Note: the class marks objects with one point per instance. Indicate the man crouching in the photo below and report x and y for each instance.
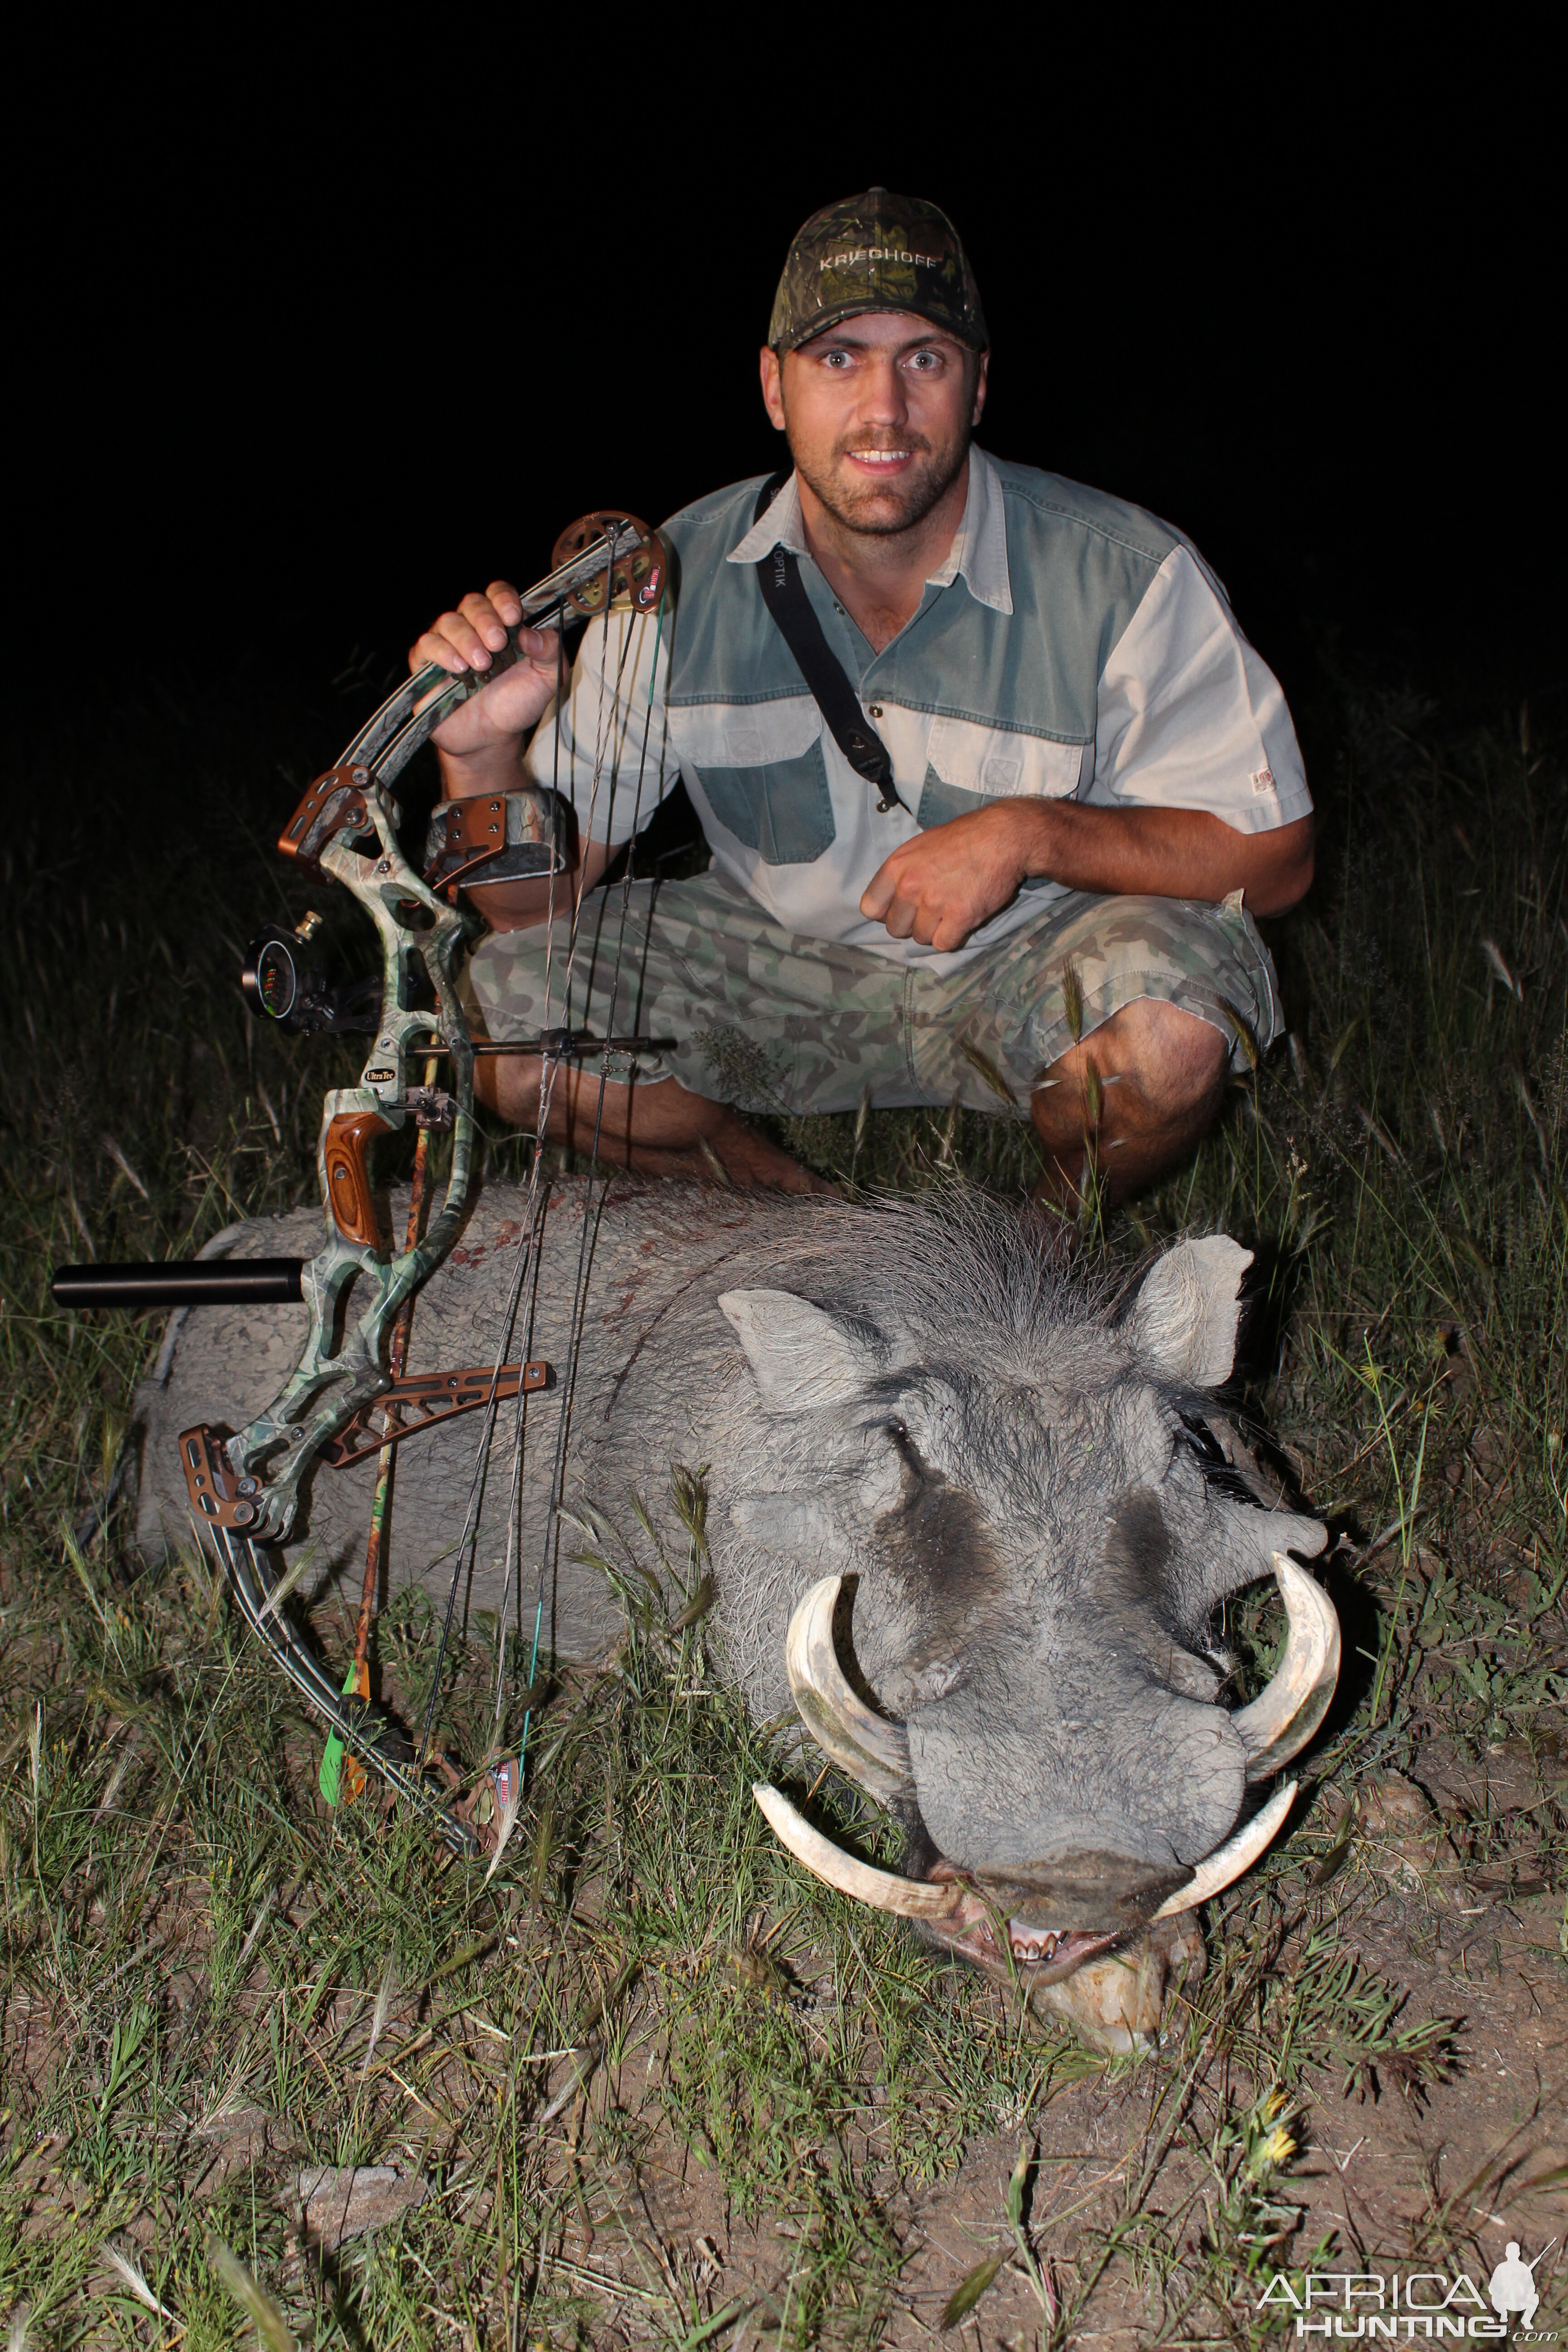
(992, 782)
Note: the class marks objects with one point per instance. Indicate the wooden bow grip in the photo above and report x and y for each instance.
(345, 1157)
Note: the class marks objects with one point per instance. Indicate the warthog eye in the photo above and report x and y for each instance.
(908, 1451)
(919, 1480)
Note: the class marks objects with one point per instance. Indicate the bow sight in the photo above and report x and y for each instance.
(348, 1394)
(280, 985)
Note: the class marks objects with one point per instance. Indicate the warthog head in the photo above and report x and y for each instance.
(1005, 1474)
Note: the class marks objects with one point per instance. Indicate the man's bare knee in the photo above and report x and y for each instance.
(1176, 1059)
(1134, 1095)
(1168, 1058)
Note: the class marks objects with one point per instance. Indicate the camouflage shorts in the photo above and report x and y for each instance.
(772, 1022)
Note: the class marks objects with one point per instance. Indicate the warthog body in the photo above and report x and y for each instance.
(999, 1454)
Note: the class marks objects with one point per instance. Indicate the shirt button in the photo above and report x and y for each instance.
(875, 709)
(837, 605)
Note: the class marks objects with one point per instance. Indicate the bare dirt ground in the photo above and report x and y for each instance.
(1387, 2176)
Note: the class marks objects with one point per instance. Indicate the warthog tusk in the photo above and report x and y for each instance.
(1228, 1861)
(861, 1742)
(912, 1899)
(881, 1888)
(1283, 1716)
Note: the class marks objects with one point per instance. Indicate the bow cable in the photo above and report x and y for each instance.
(549, 1069)
(579, 1302)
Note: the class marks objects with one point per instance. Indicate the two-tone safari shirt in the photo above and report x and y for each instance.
(1071, 646)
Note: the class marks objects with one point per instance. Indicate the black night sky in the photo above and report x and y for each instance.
(288, 390)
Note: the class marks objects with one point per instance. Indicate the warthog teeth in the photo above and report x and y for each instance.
(1283, 1716)
(883, 1889)
(1032, 1944)
(1228, 1861)
(872, 1750)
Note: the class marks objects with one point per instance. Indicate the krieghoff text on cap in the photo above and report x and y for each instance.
(876, 252)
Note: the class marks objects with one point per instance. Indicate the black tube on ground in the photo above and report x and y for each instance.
(226, 1282)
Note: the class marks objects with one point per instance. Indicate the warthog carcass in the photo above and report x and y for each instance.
(963, 1510)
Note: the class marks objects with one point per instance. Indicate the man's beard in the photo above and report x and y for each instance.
(855, 506)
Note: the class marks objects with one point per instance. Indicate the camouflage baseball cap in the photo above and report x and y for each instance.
(876, 252)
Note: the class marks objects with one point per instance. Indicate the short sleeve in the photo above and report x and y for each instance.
(608, 749)
(1189, 716)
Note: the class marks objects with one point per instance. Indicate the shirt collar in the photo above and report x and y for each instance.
(778, 526)
(979, 548)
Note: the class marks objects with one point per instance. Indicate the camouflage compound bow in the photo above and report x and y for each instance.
(348, 1396)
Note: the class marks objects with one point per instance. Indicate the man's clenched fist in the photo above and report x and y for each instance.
(945, 884)
(492, 723)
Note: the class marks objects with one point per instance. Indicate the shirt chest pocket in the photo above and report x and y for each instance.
(760, 768)
(1001, 763)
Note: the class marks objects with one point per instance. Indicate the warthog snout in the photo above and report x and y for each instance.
(1049, 1917)
(1091, 1890)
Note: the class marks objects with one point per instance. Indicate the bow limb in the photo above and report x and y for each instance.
(251, 1582)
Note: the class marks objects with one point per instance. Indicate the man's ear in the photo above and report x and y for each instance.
(773, 387)
(981, 380)
(801, 1356)
(1183, 1318)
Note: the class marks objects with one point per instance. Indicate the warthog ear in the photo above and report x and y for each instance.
(1184, 1316)
(802, 1356)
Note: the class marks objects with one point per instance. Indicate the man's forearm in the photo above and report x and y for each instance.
(496, 768)
(1165, 854)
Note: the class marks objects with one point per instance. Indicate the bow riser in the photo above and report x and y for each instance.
(299, 1422)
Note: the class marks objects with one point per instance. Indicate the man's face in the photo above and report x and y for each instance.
(879, 413)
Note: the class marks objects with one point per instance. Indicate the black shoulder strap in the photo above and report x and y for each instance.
(784, 593)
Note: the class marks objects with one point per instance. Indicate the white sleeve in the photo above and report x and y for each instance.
(608, 750)
(1189, 716)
